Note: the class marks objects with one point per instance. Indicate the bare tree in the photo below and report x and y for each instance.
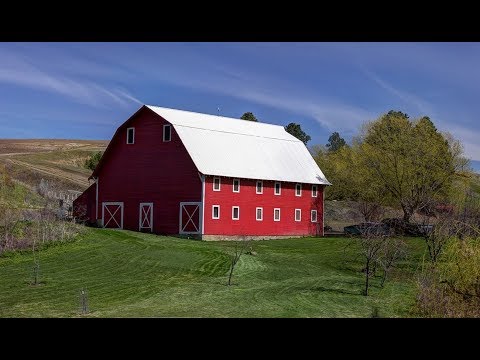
(393, 250)
(238, 250)
(36, 265)
(371, 245)
(9, 219)
(371, 211)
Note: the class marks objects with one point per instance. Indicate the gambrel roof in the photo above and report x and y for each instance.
(232, 147)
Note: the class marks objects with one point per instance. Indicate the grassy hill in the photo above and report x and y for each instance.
(130, 274)
(60, 162)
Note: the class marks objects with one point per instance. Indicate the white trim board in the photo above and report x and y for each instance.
(140, 211)
(119, 203)
(190, 217)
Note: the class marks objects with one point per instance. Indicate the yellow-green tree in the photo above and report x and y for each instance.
(411, 162)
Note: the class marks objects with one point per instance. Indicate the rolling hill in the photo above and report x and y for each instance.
(58, 162)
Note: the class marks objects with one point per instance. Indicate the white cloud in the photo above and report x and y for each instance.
(16, 70)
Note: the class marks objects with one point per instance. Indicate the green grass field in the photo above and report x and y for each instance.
(129, 274)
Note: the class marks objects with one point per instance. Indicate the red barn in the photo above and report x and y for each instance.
(169, 171)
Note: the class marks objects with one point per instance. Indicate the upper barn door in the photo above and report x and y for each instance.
(112, 215)
(145, 217)
(190, 217)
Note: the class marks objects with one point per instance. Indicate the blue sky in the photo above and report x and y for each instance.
(86, 90)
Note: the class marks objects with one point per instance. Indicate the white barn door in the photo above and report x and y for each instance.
(190, 217)
(145, 217)
(112, 215)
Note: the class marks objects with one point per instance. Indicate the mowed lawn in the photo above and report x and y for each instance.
(129, 274)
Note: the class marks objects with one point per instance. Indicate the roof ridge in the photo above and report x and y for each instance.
(216, 116)
(236, 133)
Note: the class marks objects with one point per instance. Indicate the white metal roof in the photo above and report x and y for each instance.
(225, 146)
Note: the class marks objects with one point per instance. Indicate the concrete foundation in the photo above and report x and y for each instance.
(246, 237)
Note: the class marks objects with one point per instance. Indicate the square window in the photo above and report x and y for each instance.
(259, 187)
(276, 214)
(130, 135)
(167, 133)
(298, 215)
(236, 185)
(235, 212)
(259, 214)
(298, 190)
(216, 184)
(215, 211)
(278, 188)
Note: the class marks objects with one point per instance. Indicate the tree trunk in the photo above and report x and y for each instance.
(231, 273)
(384, 277)
(367, 276)
(407, 213)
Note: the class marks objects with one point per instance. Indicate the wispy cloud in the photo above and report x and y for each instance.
(424, 107)
(17, 70)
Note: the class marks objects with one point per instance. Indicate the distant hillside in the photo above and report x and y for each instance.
(58, 162)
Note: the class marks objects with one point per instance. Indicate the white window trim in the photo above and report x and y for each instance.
(233, 185)
(295, 215)
(316, 190)
(219, 183)
(238, 207)
(213, 216)
(165, 126)
(316, 216)
(106, 203)
(128, 129)
(279, 188)
(296, 190)
(279, 214)
(256, 214)
(140, 227)
(256, 187)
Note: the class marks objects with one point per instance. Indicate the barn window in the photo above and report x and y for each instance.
(278, 188)
(298, 214)
(259, 214)
(235, 212)
(314, 216)
(314, 190)
(167, 133)
(259, 187)
(215, 211)
(298, 190)
(276, 214)
(130, 135)
(236, 185)
(216, 184)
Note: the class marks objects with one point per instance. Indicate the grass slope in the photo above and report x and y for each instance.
(129, 274)
(60, 162)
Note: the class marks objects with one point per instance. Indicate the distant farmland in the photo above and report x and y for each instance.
(60, 162)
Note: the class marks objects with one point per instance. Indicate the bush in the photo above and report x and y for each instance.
(451, 288)
(92, 162)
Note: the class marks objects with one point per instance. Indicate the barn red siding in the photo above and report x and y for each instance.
(248, 201)
(149, 170)
(84, 206)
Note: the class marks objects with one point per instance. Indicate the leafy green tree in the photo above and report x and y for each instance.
(92, 162)
(335, 142)
(296, 130)
(411, 161)
(249, 116)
